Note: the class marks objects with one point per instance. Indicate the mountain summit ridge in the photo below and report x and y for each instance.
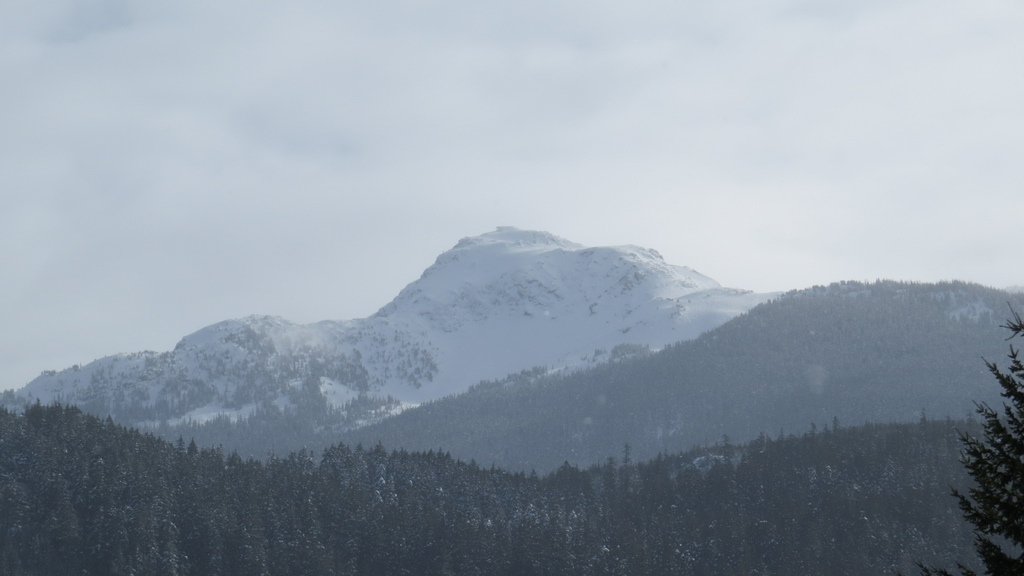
(492, 305)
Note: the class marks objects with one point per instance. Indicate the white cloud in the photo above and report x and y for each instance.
(167, 165)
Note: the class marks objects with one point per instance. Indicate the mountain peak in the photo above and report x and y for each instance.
(492, 305)
(512, 238)
(511, 264)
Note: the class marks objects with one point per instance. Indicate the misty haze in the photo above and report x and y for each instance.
(447, 288)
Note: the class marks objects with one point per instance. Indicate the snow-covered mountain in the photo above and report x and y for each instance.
(494, 304)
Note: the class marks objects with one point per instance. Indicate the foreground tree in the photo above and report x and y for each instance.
(996, 463)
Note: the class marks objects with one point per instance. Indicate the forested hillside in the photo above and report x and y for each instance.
(80, 495)
(879, 352)
(859, 353)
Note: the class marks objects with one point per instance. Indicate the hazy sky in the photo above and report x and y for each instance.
(166, 165)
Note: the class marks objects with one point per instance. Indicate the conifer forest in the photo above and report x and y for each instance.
(80, 495)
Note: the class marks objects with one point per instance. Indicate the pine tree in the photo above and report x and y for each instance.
(995, 506)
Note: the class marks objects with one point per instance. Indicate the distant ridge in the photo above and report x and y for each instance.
(848, 353)
(494, 304)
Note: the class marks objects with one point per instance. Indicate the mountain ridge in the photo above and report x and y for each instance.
(492, 305)
(849, 352)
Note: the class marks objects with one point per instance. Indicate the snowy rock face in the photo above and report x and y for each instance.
(494, 304)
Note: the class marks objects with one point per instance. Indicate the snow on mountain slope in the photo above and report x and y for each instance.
(494, 304)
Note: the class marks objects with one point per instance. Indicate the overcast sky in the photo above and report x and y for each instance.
(167, 165)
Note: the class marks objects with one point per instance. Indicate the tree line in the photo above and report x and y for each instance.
(87, 496)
